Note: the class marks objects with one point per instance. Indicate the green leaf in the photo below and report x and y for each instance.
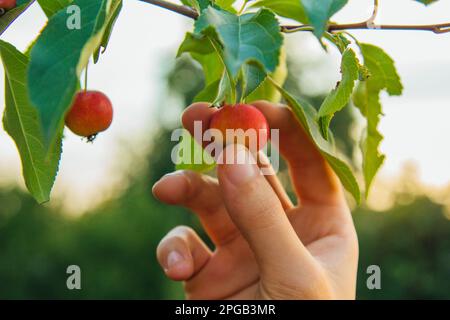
(201, 49)
(194, 43)
(191, 156)
(341, 95)
(57, 59)
(8, 18)
(319, 13)
(267, 91)
(200, 5)
(291, 9)
(22, 124)
(208, 47)
(339, 40)
(306, 115)
(116, 7)
(251, 78)
(251, 37)
(226, 4)
(383, 76)
(50, 7)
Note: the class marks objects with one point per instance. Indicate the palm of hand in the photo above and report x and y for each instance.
(265, 247)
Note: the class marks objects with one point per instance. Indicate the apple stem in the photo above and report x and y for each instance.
(86, 78)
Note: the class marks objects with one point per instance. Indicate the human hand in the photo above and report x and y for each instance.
(265, 247)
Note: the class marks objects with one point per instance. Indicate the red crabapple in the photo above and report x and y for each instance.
(248, 126)
(90, 114)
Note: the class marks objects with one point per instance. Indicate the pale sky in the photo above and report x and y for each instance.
(146, 37)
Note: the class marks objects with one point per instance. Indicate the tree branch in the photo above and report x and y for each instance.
(436, 28)
(366, 25)
(180, 9)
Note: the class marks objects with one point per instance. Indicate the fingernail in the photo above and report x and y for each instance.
(173, 259)
(240, 165)
(171, 174)
(174, 174)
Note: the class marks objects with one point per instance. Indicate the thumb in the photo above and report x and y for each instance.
(257, 212)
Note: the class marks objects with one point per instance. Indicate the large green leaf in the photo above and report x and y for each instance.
(319, 13)
(116, 7)
(50, 7)
(291, 9)
(8, 18)
(57, 59)
(22, 124)
(306, 115)
(383, 76)
(249, 38)
(341, 95)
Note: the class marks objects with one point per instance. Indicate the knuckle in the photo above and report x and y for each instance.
(178, 234)
(182, 231)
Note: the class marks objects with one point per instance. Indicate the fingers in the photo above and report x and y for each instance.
(274, 182)
(182, 254)
(313, 179)
(200, 194)
(199, 113)
(257, 212)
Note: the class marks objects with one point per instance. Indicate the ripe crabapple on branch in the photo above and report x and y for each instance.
(90, 114)
(242, 124)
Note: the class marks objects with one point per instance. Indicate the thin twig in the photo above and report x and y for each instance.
(366, 25)
(180, 9)
(436, 28)
(371, 21)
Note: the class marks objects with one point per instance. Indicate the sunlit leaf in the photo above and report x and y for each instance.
(383, 76)
(291, 9)
(21, 122)
(341, 95)
(306, 115)
(116, 7)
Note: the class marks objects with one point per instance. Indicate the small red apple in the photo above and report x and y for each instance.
(254, 131)
(7, 4)
(90, 114)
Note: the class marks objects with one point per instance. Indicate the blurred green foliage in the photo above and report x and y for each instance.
(115, 247)
(115, 244)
